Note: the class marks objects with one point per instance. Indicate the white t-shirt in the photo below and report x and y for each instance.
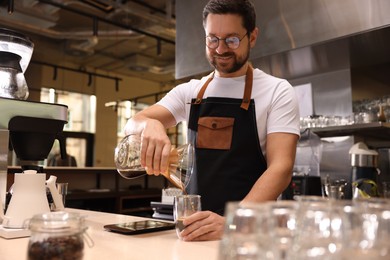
(275, 101)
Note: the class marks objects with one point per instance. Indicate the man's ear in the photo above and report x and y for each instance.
(254, 35)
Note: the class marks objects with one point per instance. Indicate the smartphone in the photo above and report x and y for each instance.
(140, 227)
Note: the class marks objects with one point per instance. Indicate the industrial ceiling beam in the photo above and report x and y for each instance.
(97, 18)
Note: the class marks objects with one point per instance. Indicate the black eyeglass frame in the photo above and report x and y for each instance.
(224, 39)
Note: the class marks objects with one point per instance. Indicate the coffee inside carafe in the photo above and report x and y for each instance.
(128, 161)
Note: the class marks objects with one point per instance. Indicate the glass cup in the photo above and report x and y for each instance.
(62, 190)
(386, 189)
(319, 233)
(309, 199)
(282, 227)
(183, 207)
(334, 189)
(246, 232)
(367, 231)
(128, 161)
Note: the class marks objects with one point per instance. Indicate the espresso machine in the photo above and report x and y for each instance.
(28, 128)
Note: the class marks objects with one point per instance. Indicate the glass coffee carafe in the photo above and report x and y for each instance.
(128, 161)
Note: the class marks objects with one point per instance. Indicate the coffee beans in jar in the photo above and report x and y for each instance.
(56, 236)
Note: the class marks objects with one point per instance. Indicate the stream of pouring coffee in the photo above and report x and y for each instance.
(171, 175)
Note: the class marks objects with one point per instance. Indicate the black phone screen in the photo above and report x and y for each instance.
(140, 227)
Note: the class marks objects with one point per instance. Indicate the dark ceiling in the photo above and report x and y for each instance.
(132, 38)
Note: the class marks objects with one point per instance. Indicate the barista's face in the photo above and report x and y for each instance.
(229, 62)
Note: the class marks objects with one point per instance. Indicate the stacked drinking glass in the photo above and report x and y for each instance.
(308, 227)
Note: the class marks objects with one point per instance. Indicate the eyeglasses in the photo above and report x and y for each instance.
(232, 42)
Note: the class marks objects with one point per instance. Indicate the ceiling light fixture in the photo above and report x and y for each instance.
(95, 26)
(10, 6)
(101, 5)
(102, 19)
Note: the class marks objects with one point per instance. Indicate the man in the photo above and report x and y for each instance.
(244, 123)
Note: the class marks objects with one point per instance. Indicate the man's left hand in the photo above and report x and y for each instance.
(202, 226)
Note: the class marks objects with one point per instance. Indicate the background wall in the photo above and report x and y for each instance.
(104, 89)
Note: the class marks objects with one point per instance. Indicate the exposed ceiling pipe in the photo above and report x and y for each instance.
(86, 46)
(35, 9)
(167, 13)
(135, 10)
(117, 34)
(108, 21)
(10, 6)
(162, 70)
(81, 42)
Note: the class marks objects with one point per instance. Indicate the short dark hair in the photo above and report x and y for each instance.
(243, 8)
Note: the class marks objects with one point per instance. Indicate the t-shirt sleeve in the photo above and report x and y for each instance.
(175, 101)
(284, 113)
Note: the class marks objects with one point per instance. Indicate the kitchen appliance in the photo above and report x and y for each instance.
(303, 185)
(164, 209)
(334, 189)
(31, 136)
(15, 54)
(306, 179)
(29, 128)
(364, 172)
(29, 197)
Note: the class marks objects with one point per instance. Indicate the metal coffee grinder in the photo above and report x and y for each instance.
(29, 128)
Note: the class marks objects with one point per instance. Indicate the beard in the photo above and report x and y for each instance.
(232, 66)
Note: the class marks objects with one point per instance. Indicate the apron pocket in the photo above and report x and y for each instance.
(215, 132)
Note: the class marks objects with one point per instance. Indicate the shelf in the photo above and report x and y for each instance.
(377, 130)
(70, 170)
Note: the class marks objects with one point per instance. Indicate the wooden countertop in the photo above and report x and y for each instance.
(162, 245)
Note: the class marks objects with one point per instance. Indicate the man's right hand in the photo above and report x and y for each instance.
(155, 147)
(151, 125)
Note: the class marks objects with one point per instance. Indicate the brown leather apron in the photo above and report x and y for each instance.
(228, 155)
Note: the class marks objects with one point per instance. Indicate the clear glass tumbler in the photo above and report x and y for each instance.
(183, 207)
(246, 232)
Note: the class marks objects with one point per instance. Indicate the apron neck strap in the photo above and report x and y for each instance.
(247, 91)
(203, 89)
(248, 88)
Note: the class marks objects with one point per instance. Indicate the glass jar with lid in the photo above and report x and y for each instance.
(56, 235)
